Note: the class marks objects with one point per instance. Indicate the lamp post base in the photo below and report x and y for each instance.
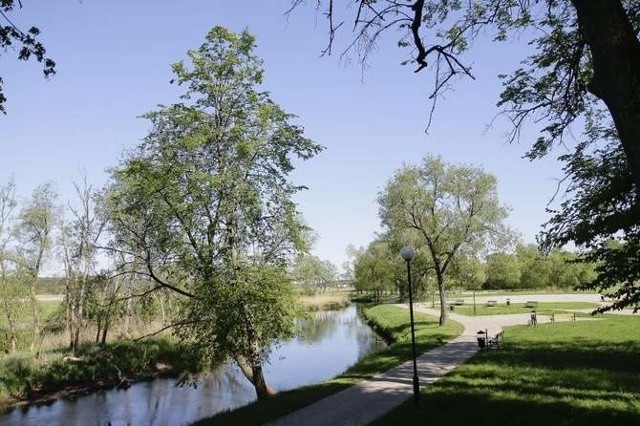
(416, 389)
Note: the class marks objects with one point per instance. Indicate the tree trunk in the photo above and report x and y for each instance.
(615, 49)
(36, 313)
(13, 340)
(103, 341)
(255, 375)
(443, 301)
(129, 308)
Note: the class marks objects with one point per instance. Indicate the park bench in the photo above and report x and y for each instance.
(531, 304)
(491, 303)
(459, 302)
(566, 317)
(496, 340)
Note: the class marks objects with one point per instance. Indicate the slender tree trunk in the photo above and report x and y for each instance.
(162, 312)
(13, 340)
(129, 308)
(443, 301)
(615, 49)
(36, 312)
(105, 329)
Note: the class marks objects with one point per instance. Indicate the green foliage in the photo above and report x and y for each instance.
(447, 210)
(582, 373)
(503, 271)
(534, 267)
(263, 295)
(601, 214)
(205, 205)
(21, 375)
(378, 269)
(312, 274)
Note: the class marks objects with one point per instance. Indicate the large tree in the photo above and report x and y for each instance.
(204, 206)
(24, 42)
(581, 48)
(600, 215)
(453, 209)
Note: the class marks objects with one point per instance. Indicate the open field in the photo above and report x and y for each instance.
(582, 373)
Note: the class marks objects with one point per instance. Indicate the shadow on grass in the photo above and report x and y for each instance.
(538, 378)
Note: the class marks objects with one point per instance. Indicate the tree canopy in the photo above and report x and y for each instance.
(584, 51)
(204, 205)
(450, 209)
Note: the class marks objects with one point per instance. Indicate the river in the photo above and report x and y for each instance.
(327, 344)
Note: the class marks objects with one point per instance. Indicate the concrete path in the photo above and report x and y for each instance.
(370, 399)
(363, 403)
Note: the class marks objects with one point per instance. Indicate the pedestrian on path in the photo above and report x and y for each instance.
(534, 318)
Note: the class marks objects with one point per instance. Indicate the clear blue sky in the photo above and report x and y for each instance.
(113, 65)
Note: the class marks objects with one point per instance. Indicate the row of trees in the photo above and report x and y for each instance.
(311, 274)
(529, 268)
(379, 269)
(41, 230)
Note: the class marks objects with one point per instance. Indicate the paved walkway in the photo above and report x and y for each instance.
(363, 403)
(370, 399)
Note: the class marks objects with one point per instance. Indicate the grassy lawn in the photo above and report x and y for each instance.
(390, 321)
(582, 373)
(544, 308)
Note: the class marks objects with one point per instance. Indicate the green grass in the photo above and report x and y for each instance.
(23, 377)
(391, 321)
(543, 308)
(582, 373)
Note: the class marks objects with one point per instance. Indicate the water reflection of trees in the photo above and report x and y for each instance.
(316, 328)
(325, 323)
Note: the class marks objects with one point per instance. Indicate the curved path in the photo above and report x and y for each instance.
(370, 399)
(363, 403)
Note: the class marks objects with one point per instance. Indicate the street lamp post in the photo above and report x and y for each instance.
(408, 253)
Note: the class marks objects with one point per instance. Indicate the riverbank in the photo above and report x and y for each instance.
(393, 322)
(25, 380)
(328, 301)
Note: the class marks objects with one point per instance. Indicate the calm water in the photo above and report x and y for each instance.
(327, 345)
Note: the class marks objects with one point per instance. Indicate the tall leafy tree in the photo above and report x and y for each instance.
(204, 206)
(503, 271)
(583, 50)
(11, 295)
(37, 221)
(452, 209)
(376, 268)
